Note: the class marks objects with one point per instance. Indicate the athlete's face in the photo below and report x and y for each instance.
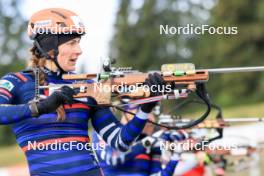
(68, 54)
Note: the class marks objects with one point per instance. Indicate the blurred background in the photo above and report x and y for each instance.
(130, 32)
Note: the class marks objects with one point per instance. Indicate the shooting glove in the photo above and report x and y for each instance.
(52, 102)
(156, 83)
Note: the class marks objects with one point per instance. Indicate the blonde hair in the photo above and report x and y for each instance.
(36, 61)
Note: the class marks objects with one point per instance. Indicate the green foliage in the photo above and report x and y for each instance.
(243, 49)
(13, 49)
(138, 43)
(6, 137)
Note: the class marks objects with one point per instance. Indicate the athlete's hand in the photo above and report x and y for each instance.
(52, 102)
(156, 84)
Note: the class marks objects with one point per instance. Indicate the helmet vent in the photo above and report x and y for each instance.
(61, 24)
(58, 13)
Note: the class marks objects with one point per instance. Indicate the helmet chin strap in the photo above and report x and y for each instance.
(56, 53)
(60, 70)
(47, 56)
(42, 52)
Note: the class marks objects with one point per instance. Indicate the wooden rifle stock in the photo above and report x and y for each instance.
(103, 89)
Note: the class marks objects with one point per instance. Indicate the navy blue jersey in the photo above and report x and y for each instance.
(135, 162)
(41, 138)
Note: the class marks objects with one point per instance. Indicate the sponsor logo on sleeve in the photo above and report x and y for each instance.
(6, 85)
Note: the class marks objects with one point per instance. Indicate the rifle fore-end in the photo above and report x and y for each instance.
(137, 78)
(78, 76)
(102, 90)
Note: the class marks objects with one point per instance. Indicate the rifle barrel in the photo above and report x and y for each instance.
(249, 119)
(234, 69)
(228, 120)
(54, 86)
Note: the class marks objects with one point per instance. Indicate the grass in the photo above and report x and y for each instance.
(11, 155)
(252, 110)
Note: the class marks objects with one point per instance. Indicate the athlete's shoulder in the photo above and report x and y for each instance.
(11, 80)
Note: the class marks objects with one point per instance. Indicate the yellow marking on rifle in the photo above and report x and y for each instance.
(190, 72)
(177, 67)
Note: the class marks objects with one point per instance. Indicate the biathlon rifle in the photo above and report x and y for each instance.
(121, 83)
(209, 123)
(216, 122)
(183, 77)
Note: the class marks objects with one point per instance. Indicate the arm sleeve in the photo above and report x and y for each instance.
(156, 165)
(113, 132)
(113, 157)
(174, 135)
(156, 168)
(9, 113)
